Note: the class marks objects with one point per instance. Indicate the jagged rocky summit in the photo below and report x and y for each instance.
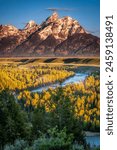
(54, 37)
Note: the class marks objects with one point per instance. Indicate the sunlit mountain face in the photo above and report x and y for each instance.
(53, 37)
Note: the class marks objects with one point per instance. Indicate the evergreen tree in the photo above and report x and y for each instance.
(13, 121)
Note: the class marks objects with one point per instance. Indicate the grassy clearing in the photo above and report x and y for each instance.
(82, 61)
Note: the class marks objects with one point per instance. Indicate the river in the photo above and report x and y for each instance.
(91, 138)
(78, 77)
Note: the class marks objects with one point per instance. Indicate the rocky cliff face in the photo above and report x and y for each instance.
(54, 37)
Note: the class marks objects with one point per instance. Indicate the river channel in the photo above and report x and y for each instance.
(78, 77)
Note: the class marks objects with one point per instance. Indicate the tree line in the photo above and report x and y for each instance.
(18, 78)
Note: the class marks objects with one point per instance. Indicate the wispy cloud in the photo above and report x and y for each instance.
(60, 9)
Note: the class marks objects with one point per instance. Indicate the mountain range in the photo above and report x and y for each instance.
(53, 37)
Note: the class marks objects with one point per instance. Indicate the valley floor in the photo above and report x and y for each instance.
(49, 111)
(90, 61)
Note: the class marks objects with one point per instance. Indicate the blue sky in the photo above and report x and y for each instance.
(18, 12)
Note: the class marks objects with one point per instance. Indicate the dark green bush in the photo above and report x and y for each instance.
(54, 140)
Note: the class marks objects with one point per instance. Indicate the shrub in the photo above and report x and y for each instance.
(18, 145)
(54, 140)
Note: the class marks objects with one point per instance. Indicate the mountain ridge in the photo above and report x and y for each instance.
(53, 37)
